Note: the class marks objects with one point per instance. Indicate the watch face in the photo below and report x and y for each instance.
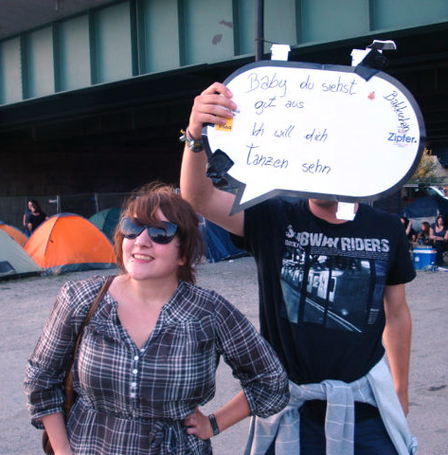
(196, 146)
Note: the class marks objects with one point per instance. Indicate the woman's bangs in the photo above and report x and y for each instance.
(144, 209)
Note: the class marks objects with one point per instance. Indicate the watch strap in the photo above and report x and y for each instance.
(195, 145)
(214, 424)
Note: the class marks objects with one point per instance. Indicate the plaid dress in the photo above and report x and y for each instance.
(132, 401)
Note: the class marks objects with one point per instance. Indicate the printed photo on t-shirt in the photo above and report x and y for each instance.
(338, 283)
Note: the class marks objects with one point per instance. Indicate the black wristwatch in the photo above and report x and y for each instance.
(214, 424)
(194, 145)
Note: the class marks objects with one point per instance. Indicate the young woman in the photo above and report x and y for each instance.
(35, 217)
(439, 236)
(148, 358)
(423, 236)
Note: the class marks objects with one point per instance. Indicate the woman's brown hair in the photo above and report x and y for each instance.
(144, 204)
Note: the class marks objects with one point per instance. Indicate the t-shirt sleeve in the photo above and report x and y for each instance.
(402, 269)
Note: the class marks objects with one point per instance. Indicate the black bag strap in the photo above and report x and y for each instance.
(68, 381)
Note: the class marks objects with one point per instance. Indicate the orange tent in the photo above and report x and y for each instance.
(13, 232)
(67, 242)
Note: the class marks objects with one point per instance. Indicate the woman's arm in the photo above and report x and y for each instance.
(46, 367)
(254, 363)
(57, 433)
(252, 360)
(431, 233)
(231, 413)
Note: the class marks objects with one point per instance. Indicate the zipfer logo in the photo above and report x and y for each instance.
(401, 139)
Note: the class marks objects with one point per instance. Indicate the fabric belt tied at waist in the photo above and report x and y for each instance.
(376, 388)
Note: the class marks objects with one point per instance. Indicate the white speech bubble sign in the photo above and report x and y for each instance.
(312, 130)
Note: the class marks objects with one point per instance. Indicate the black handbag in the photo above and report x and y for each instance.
(68, 380)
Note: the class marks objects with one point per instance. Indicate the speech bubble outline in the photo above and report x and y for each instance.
(303, 109)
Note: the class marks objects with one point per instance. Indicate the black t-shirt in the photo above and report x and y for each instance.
(322, 285)
(36, 220)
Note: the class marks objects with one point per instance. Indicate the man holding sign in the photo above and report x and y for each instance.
(332, 291)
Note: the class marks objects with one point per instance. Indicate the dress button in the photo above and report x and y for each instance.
(133, 395)
(135, 371)
(133, 385)
(136, 357)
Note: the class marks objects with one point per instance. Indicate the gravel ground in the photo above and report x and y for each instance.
(25, 303)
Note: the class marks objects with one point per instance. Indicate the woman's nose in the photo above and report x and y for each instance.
(143, 239)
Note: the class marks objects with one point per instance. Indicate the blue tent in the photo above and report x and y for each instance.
(217, 242)
(427, 206)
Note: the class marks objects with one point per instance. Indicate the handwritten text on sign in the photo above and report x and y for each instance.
(321, 132)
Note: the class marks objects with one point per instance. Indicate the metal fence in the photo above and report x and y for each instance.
(12, 209)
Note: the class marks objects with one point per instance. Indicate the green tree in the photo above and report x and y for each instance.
(428, 170)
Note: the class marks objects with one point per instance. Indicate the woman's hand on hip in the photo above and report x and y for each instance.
(198, 425)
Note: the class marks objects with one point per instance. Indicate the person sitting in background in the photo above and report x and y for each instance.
(410, 232)
(35, 217)
(149, 355)
(423, 236)
(439, 236)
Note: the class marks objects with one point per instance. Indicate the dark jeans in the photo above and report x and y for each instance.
(371, 438)
(441, 246)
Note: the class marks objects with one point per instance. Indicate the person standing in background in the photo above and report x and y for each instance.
(438, 233)
(35, 217)
(25, 218)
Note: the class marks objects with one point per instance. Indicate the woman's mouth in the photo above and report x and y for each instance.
(142, 257)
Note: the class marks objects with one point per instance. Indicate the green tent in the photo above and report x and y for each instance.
(106, 221)
(14, 260)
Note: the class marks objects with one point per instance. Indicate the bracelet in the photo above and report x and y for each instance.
(214, 424)
(194, 145)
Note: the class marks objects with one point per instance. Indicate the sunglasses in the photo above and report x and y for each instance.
(162, 236)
